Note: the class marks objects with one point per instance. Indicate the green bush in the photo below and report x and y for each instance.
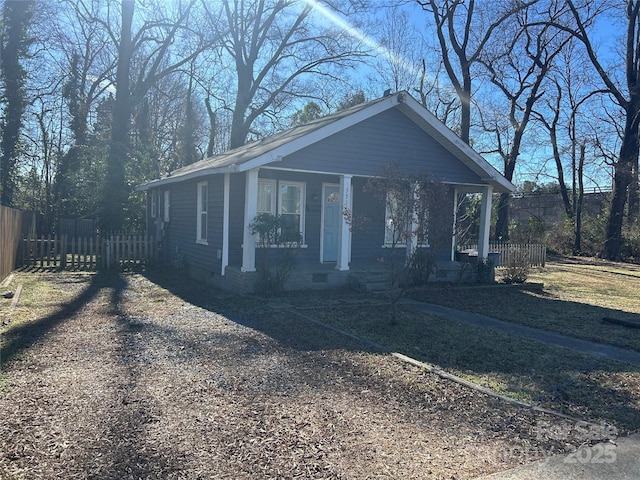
(279, 245)
(560, 238)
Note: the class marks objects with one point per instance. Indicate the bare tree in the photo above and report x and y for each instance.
(397, 66)
(570, 132)
(627, 95)
(87, 59)
(414, 219)
(518, 71)
(158, 53)
(115, 191)
(463, 32)
(278, 51)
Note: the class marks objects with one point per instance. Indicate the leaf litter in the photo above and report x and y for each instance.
(143, 381)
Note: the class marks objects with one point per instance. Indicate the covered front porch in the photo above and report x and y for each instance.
(342, 233)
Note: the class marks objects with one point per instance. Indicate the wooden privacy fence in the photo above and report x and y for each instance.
(534, 254)
(10, 233)
(88, 253)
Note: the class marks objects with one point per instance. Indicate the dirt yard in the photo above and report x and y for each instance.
(119, 377)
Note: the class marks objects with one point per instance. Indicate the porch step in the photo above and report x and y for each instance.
(370, 281)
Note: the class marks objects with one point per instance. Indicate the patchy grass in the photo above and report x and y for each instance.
(577, 295)
(145, 371)
(38, 298)
(42, 304)
(117, 383)
(576, 384)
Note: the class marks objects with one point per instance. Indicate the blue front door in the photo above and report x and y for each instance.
(330, 222)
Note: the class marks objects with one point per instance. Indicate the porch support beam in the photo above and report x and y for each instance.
(412, 234)
(344, 239)
(454, 239)
(250, 211)
(225, 224)
(485, 222)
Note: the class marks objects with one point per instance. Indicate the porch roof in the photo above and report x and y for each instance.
(272, 149)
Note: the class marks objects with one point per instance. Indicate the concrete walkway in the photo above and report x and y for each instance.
(584, 346)
(617, 460)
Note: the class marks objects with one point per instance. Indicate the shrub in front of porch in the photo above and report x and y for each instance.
(279, 243)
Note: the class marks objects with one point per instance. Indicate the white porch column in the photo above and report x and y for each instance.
(454, 240)
(344, 237)
(225, 224)
(250, 211)
(412, 234)
(485, 222)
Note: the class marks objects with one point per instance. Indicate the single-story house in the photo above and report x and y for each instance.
(312, 173)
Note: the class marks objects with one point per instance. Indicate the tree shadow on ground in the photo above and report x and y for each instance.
(21, 337)
(538, 308)
(226, 366)
(573, 382)
(571, 385)
(269, 316)
(130, 454)
(124, 450)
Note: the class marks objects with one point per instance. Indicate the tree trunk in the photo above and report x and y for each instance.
(502, 222)
(465, 106)
(577, 242)
(634, 200)
(623, 175)
(569, 206)
(115, 193)
(211, 144)
(239, 124)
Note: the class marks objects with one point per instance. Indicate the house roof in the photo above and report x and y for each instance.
(275, 147)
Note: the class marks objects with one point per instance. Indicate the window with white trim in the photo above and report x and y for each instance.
(406, 217)
(203, 201)
(291, 197)
(266, 196)
(286, 199)
(394, 221)
(166, 206)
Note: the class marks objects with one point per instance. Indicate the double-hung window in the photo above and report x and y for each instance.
(203, 202)
(395, 224)
(291, 210)
(266, 196)
(406, 217)
(285, 199)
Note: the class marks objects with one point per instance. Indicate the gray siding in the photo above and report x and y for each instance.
(310, 255)
(361, 150)
(367, 233)
(367, 238)
(181, 232)
(366, 148)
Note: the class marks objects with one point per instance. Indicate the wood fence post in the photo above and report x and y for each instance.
(63, 252)
(108, 250)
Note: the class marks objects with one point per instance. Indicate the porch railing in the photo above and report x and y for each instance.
(535, 254)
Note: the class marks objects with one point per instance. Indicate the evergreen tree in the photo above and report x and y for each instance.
(14, 46)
